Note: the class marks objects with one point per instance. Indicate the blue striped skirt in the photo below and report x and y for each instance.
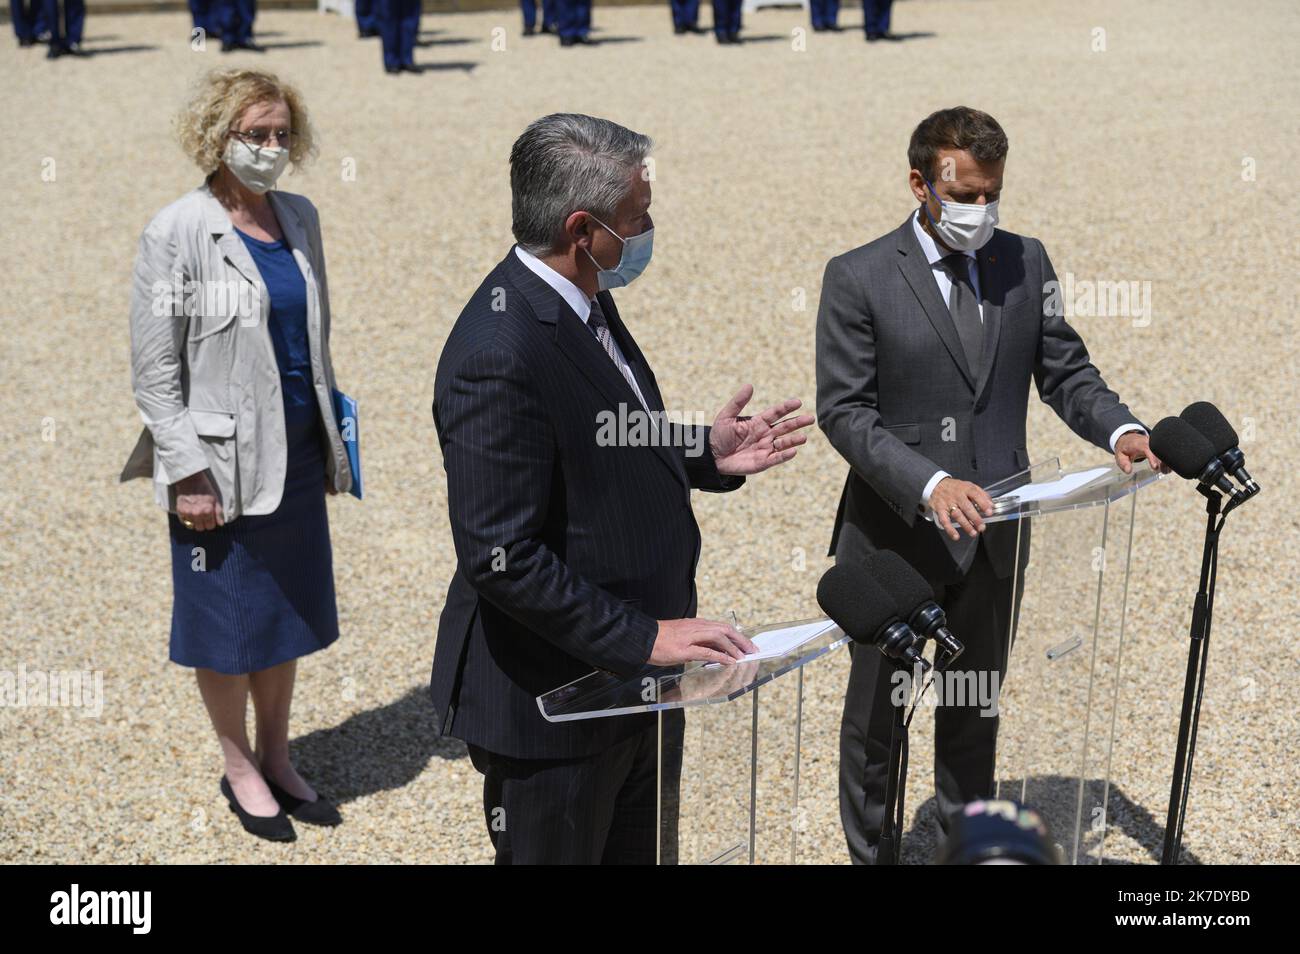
(265, 591)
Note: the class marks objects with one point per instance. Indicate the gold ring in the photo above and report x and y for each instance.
(187, 523)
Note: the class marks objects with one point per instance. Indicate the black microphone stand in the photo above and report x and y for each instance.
(889, 850)
(1194, 684)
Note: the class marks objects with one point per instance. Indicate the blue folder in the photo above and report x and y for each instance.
(345, 412)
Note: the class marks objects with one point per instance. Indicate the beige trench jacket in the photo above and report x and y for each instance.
(202, 364)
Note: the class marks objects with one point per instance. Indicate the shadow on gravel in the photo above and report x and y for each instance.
(467, 65)
(292, 44)
(375, 751)
(1055, 797)
(107, 50)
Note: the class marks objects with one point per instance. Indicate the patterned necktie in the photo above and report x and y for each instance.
(600, 327)
(965, 309)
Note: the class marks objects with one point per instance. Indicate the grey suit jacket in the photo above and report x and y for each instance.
(896, 397)
(202, 364)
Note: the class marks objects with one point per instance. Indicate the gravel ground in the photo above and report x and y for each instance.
(1132, 163)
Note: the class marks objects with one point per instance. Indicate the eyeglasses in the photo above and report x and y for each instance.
(258, 136)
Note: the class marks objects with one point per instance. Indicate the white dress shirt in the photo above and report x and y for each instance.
(934, 255)
(581, 304)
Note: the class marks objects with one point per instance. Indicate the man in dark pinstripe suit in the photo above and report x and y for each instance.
(574, 551)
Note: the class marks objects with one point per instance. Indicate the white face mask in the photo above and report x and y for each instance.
(963, 226)
(257, 167)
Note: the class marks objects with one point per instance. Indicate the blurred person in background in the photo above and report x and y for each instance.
(529, 8)
(203, 17)
(726, 20)
(66, 19)
(26, 18)
(875, 20)
(367, 18)
(231, 370)
(573, 22)
(234, 19)
(686, 16)
(824, 14)
(399, 25)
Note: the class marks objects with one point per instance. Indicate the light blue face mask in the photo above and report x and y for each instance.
(635, 257)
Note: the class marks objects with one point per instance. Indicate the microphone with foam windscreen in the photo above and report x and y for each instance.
(1216, 429)
(913, 600)
(857, 604)
(1192, 457)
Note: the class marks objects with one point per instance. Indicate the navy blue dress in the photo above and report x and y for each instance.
(267, 593)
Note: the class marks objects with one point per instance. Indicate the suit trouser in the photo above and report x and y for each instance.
(979, 613)
(203, 17)
(726, 16)
(65, 20)
(529, 8)
(601, 809)
(685, 12)
(235, 19)
(399, 26)
(367, 15)
(25, 15)
(875, 15)
(573, 18)
(824, 13)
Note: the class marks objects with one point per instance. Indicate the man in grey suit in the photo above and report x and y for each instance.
(927, 339)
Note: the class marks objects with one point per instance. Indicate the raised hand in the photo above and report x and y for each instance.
(750, 445)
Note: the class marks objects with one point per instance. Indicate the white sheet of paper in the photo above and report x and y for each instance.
(1052, 489)
(778, 642)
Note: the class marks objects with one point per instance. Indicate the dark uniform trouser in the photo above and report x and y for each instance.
(979, 611)
(595, 810)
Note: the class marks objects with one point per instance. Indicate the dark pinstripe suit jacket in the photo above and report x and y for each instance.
(897, 399)
(567, 551)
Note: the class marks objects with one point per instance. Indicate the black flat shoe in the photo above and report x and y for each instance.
(319, 812)
(275, 827)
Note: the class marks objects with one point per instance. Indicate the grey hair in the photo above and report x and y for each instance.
(566, 162)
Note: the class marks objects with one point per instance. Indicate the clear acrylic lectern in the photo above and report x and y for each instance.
(739, 796)
(1060, 703)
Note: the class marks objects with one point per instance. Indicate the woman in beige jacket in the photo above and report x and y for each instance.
(232, 376)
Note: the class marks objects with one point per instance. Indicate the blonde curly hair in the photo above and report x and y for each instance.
(220, 98)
